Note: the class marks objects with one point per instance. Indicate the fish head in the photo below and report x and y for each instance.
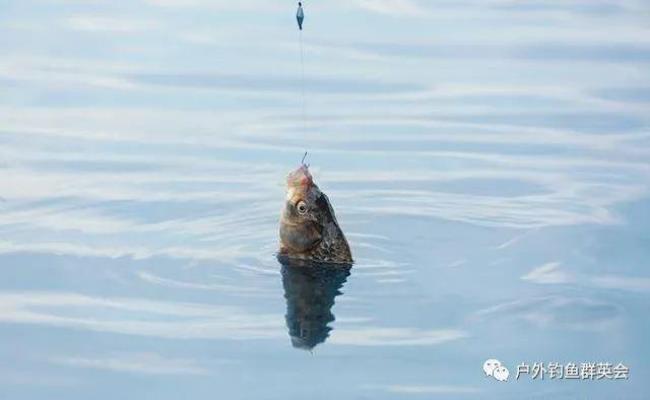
(300, 227)
(308, 227)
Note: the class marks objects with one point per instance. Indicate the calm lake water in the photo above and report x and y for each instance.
(487, 160)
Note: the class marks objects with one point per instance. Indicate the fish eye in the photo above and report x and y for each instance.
(301, 207)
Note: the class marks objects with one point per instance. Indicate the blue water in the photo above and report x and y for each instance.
(488, 162)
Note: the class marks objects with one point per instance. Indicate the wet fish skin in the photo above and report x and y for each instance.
(308, 226)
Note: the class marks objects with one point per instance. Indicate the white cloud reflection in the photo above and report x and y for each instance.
(220, 287)
(126, 316)
(377, 336)
(97, 23)
(140, 363)
(553, 273)
(392, 7)
(424, 389)
(555, 312)
(549, 273)
(58, 162)
(173, 320)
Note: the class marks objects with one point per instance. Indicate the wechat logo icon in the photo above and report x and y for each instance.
(496, 370)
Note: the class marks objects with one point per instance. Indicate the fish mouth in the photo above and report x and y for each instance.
(300, 178)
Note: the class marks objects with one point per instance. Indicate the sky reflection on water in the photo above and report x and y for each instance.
(488, 162)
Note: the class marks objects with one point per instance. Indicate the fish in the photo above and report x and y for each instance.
(308, 226)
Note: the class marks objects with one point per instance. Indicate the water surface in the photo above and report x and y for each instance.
(488, 162)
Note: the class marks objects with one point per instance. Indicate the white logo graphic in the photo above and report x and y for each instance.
(501, 374)
(490, 365)
(493, 368)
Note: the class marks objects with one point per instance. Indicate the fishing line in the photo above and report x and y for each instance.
(302, 85)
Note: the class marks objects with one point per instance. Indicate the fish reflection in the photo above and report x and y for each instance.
(310, 289)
